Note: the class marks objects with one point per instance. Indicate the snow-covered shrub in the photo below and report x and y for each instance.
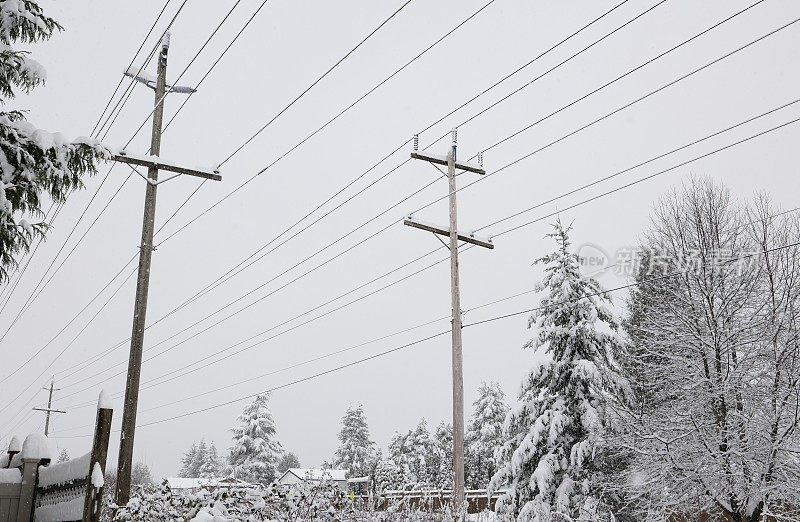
(322, 502)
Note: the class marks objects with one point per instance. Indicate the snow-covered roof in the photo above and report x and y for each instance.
(317, 474)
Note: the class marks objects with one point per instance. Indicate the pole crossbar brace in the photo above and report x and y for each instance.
(49, 410)
(161, 164)
(442, 160)
(467, 238)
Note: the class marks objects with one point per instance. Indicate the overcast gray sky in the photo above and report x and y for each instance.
(288, 45)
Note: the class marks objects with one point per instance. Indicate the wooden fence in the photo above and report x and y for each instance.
(33, 490)
(435, 499)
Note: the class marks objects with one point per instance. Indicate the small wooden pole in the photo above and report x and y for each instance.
(93, 505)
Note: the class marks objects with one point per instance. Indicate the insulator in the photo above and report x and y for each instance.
(455, 135)
(480, 159)
(416, 142)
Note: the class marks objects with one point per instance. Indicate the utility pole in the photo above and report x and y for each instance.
(49, 408)
(153, 164)
(455, 297)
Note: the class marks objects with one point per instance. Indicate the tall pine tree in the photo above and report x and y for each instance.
(256, 452)
(484, 435)
(355, 448)
(187, 462)
(35, 165)
(211, 466)
(554, 432)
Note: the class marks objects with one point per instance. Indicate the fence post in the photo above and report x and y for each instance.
(13, 449)
(35, 451)
(93, 504)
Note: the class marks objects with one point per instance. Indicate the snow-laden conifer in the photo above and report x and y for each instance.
(554, 431)
(355, 448)
(256, 450)
(187, 460)
(484, 434)
(35, 165)
(211, 465)
(398, 456)
(421, 455)
(443, 462)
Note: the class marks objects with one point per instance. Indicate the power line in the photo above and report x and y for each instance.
(754, 4)
(374, 340)
(334, 118)
(123, 100)
(223, 278)
(122, 78)
(32, 297)
(602, 293)
(635, 101)
(215, 63)
(315, 82)
(651, 176)
(643, 163)
(214, 283)
(619, 109)
(405, 330)
(9, 289)
(628, 185)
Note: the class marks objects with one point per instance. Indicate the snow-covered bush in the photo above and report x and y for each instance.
(34, 164)
(323, 502)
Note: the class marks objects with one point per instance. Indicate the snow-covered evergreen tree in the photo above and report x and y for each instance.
(288, 461)
(398, 461)
(212, 465)
(200, 458)
(421, 455)
(484, 435)
(553, 433)
(355, 447)
(387, 475)
(187, 461)
(443, 460)
(256, 450)
(35, 165)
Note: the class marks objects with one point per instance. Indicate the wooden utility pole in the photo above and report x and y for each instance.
(455, 298)
(49, 408)
(153, 164)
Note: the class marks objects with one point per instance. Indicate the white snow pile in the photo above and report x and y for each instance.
(68, 510)
(104, 401)
(64, 472)
(36, 447)
(14, 445)
(213, 514)
(10, 476)
(98, 481)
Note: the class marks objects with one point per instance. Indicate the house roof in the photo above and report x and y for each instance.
(317, 474)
